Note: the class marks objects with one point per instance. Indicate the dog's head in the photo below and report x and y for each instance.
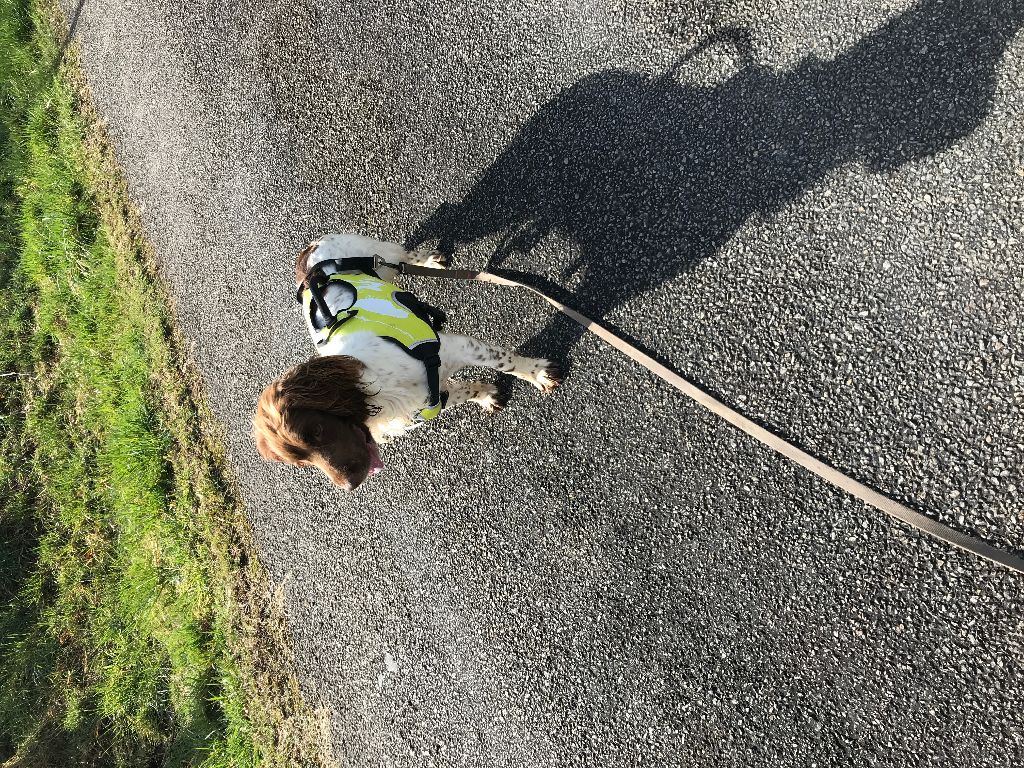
(315, 415)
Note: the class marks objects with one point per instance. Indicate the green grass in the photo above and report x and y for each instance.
(128, 609)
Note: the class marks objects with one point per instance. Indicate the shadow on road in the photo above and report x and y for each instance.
(648, 175)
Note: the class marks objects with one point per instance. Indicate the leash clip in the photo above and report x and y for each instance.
(378, 261)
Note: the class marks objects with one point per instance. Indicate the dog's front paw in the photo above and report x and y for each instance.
(548, 377)
(431, 257)
(439, 260)
(488, 397)
(490, 403)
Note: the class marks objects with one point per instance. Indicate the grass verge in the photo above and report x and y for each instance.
(136, 629)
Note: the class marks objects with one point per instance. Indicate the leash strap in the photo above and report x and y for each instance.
(773, 441)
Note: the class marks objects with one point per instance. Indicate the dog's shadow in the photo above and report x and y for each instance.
(648, 175)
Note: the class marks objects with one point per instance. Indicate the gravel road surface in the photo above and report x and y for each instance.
(812, 207)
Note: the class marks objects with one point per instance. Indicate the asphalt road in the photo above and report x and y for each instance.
(813, 208)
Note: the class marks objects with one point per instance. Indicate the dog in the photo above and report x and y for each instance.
(383, 366)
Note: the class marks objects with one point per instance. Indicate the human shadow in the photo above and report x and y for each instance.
(649, 175)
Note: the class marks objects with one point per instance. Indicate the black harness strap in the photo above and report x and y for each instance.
(432, 316)
(427, 353)
(365, 264)
(316, 284)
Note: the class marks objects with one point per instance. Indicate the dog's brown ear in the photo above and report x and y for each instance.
(329, 384)
(302, 261)
(325, 384)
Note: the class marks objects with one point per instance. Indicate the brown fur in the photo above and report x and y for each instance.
(302, 259)
(315, 414)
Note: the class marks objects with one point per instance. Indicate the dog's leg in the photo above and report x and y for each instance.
(482, 393)
(459, 352)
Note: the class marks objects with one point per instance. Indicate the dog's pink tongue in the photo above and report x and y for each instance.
(376, 465)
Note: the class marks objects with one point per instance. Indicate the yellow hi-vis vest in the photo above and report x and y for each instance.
(385, 310)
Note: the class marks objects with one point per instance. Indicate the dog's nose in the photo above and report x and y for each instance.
(340, 481)
(346, 483)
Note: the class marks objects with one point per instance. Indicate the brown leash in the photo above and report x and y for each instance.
(773, 441)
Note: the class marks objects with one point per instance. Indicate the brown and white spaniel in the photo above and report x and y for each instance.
(332, 411)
